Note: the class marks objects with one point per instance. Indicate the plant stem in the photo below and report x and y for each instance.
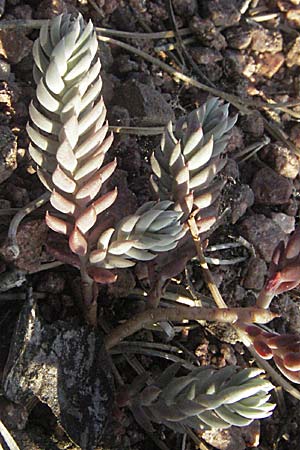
(179, 313)
(89, 293)
(264, 299)
(208, 278)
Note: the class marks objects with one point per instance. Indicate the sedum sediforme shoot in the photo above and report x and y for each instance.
(204, 399)
(190, 157)
(69, 141)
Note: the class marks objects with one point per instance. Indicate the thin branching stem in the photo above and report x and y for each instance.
(179, 313)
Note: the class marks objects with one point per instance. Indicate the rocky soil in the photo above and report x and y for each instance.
(249, 49)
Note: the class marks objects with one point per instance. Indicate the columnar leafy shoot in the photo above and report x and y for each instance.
(205, 398)
(69, 141)
(189, 159)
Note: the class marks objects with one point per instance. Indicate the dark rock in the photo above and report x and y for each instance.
(52, 282)
(264, 40)
(47, 9)
(205, 55)
(212, 71)
(231, 170)
(65, 366)
(14, 45)
(4, 70)
(125, 64)
(238, 38)
(253, 124)
(263, 233)
(270, 188)
(240, 204)
(145, 105)
(236, 141)
(8, 153)
(185, 7)
(23, 12)
(255, 275)
(105, 55)
(118, 115)
(207, 33)
(223, 13)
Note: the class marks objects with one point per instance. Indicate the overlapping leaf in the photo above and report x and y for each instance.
(69, 140)
(283, 348)
(206, 398)
(188, 160)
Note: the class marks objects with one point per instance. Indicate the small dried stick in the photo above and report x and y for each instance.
(17, 219)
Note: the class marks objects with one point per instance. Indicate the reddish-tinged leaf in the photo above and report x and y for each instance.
(278, 252)
(88, 168)
(253, 331)
(262, 349)
(97, 256)
(62, 181)
(89, 190)
(101, 275)
(63, 205)
(106, 144)
(58, 225)
(108, 170)
(282, 340)
(77, 242)
(292, 361)
(87, 219)
(292, 376)
(105, 201)
(293, 246)
(206, 223)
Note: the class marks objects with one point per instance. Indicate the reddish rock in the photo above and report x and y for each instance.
(270, 188)
(14, 45)
(47, 9)
(31, 238)
(282, 160)
(268, 64)
(263, 233)
(264, 40)
(293, 55)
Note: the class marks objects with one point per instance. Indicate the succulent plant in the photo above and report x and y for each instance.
(284, 349)
(205, 398)
(69, 141)
(284, 270)
(189, 158)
